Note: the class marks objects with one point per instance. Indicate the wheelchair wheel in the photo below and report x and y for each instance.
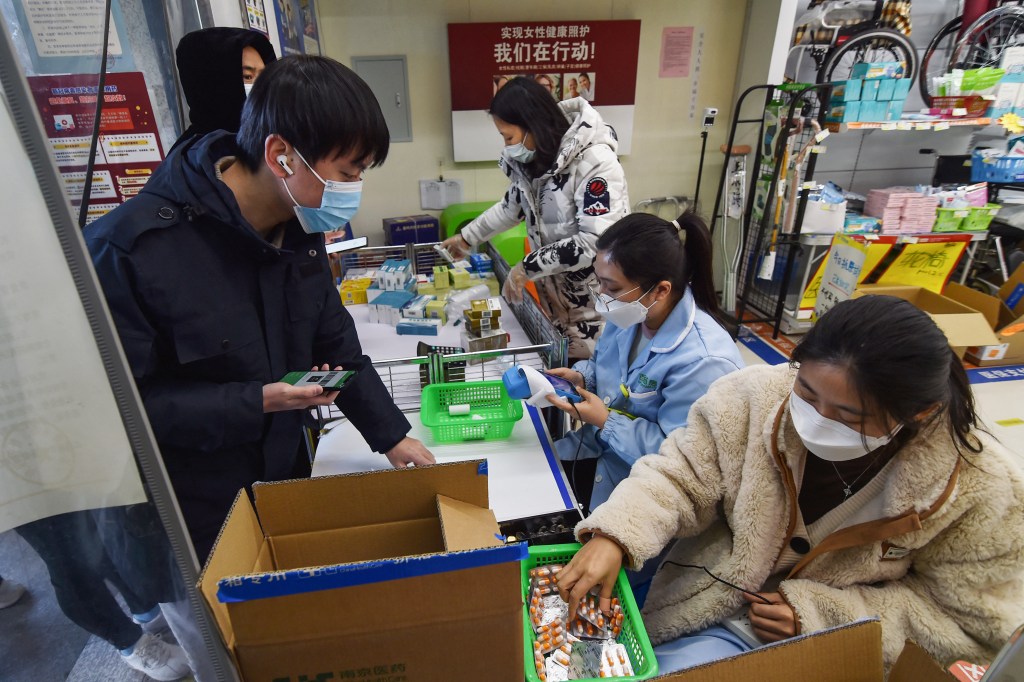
(936, 58)
(878, 45)
(985, 41)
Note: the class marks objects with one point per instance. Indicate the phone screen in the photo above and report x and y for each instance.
(561, 384)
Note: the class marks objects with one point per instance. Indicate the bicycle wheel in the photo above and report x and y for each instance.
(985, 41)
(936, 59)
(878, 45)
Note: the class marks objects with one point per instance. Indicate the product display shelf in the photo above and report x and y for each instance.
(937, 125)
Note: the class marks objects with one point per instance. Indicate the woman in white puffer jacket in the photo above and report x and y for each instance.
(568, 185)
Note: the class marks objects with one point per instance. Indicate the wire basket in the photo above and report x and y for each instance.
(950, 219)
(996, 168)
(980, 217)
(633, 635)
(491, 414)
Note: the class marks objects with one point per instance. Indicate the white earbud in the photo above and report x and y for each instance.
(282, 161)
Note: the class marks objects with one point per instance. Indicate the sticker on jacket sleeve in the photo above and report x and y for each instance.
(596, 199)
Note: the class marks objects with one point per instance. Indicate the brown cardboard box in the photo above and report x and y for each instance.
(1009, 346)
(390, 575)
(962, 325)
(849, 653)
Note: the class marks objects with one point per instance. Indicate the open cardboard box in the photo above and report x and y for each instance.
(397, 574)
(848, 653)
(963, 326)
(1005, 315)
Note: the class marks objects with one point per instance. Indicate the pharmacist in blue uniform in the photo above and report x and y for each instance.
(219, 285)
(661, 350)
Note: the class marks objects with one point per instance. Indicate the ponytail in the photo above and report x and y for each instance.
(698, 268)
(649, 249)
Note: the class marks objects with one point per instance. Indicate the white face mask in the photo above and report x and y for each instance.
(248, 88)
(519, 152)
(620, 313)
(828, 439)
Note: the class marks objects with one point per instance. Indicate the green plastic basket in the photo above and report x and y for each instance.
(633, 635)
(980, 217)
(950, 219)
(492, 413)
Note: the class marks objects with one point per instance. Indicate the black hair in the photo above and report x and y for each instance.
(899, 362)
(585, 75)
(526, 103)
(648, 250)
(318, 105)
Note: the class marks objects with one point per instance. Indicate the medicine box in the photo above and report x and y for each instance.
(328, 577)
(846, 91)
(843, 112)
(886, 89)
(869, 91)
(875, 70)
(413, 229)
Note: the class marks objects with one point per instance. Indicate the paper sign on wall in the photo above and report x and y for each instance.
(928, 263)
(676, 46)
(877, 249)
(843, 266)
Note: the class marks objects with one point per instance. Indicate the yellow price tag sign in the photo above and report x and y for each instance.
(876, 252)
(925, 264)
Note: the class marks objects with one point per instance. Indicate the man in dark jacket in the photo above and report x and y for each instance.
(217, 68)
(218, 291)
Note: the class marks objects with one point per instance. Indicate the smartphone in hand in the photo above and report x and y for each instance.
(330, 380)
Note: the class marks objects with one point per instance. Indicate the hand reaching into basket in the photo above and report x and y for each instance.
(409, 452)
(597, 563)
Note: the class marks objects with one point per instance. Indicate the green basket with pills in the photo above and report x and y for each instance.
(632, 636)
(471, 410)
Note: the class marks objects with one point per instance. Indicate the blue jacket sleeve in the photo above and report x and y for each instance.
(631, 439)
(202, 416)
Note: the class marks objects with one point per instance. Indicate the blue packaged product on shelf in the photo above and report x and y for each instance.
(846, 91)
(886, 88)
(875, 70)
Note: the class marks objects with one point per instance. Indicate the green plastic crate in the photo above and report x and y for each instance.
(950, 219)
(633, 635)
(980, 217)
(492, 413)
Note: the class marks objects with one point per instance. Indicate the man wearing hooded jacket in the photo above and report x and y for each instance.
(217, 68)
(217, 291)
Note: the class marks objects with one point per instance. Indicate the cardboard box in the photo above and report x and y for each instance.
(383, 572)
(963, 326)
(413, 229)
(886, 88)
(848, 653)
(1007, 325)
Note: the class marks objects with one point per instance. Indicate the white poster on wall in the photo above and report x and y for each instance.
(63, 446)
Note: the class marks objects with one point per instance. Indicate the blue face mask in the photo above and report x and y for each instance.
(338, 206)
(519, 152)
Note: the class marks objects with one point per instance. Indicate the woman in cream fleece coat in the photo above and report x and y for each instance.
(921, 526)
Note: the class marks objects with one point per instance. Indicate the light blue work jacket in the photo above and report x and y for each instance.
(687, 354)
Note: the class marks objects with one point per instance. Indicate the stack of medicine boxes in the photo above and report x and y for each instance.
(874, 93)
(483, 327)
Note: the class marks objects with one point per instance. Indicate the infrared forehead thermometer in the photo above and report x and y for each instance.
(533, 386)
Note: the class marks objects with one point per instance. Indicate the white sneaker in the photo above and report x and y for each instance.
(158, 659)
(10, 593)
